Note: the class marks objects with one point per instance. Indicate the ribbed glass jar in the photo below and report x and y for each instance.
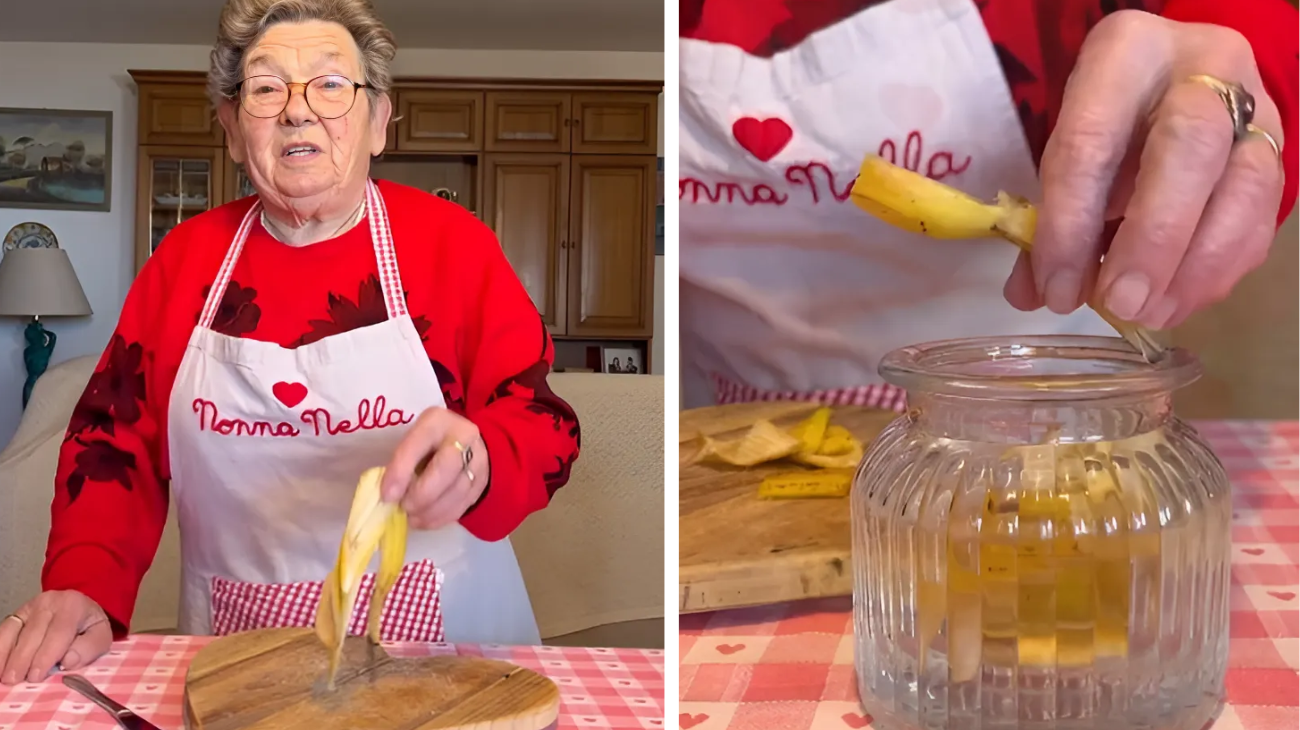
(1040, 543)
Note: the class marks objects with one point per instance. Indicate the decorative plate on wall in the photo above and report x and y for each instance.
(30, 235)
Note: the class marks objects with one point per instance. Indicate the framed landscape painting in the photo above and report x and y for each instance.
(56, 159)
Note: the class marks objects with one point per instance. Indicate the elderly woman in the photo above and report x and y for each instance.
(274, 348)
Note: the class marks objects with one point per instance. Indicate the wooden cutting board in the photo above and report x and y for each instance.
(739, 550)
(274, 679)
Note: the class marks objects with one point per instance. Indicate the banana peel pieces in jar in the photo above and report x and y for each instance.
(971, 580)
(914, 202)
(372, 524)
(815, 442)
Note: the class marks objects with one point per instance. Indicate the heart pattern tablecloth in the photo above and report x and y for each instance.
(599, 688)
(790, 665)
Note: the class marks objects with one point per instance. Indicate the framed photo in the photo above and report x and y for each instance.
(625, 360)
(56, 159)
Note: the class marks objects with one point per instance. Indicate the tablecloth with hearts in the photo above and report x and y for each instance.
(599, 688)
(790, 665)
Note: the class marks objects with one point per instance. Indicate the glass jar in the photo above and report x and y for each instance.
(1040, 543)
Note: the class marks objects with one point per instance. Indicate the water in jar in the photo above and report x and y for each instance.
(1050, 585)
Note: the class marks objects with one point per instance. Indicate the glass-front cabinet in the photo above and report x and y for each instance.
(178, 183)
(237, 183)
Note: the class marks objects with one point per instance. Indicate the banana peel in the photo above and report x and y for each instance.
(372, 524)
(914, 202)
(763, 442)
(814, 442)
(1064, 484)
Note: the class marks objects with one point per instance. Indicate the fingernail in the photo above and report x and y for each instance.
(11, 678)
(1061, 295)
(33, 676)
(1127, 295)
(71, 659)
(1161, 313)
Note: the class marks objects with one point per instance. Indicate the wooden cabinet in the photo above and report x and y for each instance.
(526, 202)
(611, 249)
(178, 114)
(579, 232)
(439, 121)
(176, 184)
(529, 121)
(237, 184)
(585, 123)
(563, 172)
(615, 124)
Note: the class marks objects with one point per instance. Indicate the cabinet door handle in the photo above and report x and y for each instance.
(568, 122)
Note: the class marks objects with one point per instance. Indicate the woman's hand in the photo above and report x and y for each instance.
(448, 486)
(62, 628)
(1138, 139)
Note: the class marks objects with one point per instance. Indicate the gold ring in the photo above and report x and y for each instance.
(1240, 103)
(1277, 148)
(466, 456)
(21, 621)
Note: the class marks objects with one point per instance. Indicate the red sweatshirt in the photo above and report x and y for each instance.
(484, 337)
(1037, 42)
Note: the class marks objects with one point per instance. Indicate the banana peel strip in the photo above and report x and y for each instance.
(372, 525)
(814, 442)
(914, 202)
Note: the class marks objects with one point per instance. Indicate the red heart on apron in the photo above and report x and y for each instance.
(687, 720)
(290, 394)
(763, 139)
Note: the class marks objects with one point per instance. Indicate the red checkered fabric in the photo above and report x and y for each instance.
(790, 665)
(617, 689)
(385, 254)
(882, 395)
(413, 611)
(213, 303)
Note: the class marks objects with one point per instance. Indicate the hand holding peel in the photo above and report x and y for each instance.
(439, 470)
(914, 202)
(1144, 144)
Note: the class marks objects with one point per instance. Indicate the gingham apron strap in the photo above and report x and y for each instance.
(213, 303)
(881, 395)
(385, 254)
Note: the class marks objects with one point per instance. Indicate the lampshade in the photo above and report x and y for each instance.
(40, 282)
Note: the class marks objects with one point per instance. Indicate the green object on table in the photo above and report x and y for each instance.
(36, 356)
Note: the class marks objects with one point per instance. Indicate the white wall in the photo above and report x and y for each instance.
(101, 245)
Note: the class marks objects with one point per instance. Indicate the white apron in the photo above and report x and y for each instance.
(266, 446)
(788, 290)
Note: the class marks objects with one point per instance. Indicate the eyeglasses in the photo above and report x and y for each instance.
(328, 97)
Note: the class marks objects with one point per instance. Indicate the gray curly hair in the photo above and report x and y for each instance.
(244, 21)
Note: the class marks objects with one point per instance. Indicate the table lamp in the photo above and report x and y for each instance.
(39, 282)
